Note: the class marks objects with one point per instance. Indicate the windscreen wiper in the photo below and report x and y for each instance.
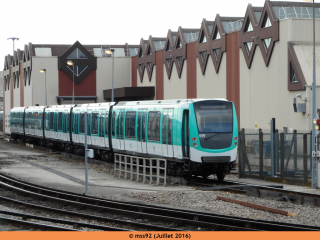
(213, 135)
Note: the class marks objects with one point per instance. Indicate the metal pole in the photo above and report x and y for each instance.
(86, 149)
(45, 83)
(314, 107)
(112, 94)
(73, 85)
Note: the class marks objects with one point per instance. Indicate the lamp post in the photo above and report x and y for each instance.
(13, 38)
(111, 51)
(70, 63)
(45, 82)
(314, 107)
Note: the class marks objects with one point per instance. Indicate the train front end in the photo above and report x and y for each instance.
(213, 137)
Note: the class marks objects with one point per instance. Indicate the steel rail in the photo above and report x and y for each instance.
(92, 217)
(145, 207)
(185, 216)
(61, 221)
(164, 217)
(42, 227)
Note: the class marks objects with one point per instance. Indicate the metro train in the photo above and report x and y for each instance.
(196, 136)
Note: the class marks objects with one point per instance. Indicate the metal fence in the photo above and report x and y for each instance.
(277, 157)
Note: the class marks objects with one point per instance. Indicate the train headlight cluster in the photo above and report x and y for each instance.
(235, 141)
(195, 144)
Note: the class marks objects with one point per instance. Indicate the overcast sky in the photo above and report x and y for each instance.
(105, 22)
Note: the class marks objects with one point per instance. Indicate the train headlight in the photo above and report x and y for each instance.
(235, 144)
(195, 144)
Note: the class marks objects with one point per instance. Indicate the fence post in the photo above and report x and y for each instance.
(277, 151)
(282, 155)
(261, 153)
(295, 151)
(272, 132)
(305, 159)
(240, 160)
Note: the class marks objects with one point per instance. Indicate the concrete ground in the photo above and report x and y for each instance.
(55, 171)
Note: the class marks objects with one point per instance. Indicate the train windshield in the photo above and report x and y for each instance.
(214, 116)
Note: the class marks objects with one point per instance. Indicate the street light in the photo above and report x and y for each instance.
(45, 82)
(70, 63)
(111, 51)
(314, 107)
(13, 38)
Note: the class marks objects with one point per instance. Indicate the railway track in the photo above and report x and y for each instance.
(27, 221)
(260, 191)
(190, 220)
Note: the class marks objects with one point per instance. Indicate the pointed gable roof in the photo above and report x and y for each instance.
(215, 46)
(263, 36)
(178, 50)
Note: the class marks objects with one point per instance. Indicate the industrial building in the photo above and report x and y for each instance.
(261, 60)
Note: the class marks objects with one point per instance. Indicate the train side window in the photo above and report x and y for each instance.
(106, 126)
(170, 114)
(101, 121)
(154, 126)
(139, 129)
(46, 121)
(130, 125)
(40, 119)
(51, 120)
(60, 115)
(68, 123)
(122, 125)
(144, 119)
(94, 126)
(88, 122)
(34, 120)
(82, 115)
(113, 124)
(76, 122)
(164, 128)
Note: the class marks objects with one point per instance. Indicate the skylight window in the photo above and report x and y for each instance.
(179, 45)
(77, 69)
(76, 54)
(266, 21)
(141, 67)
(248, 27)
(203, 38)
(179, 60)
(248, 46)
(168, 46)
(216, 34)
(149, 51)
(266, 43)
(203, 56)
(216, 53)
(168, 62)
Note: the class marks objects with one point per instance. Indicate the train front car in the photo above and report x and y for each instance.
(213, 138)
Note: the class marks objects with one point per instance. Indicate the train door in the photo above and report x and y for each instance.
(141, 131)
(114, 137)
(95, 128)
(89, 123)
(120, 126)
(185, 134)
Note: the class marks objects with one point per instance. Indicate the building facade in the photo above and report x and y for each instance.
(261, 61)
